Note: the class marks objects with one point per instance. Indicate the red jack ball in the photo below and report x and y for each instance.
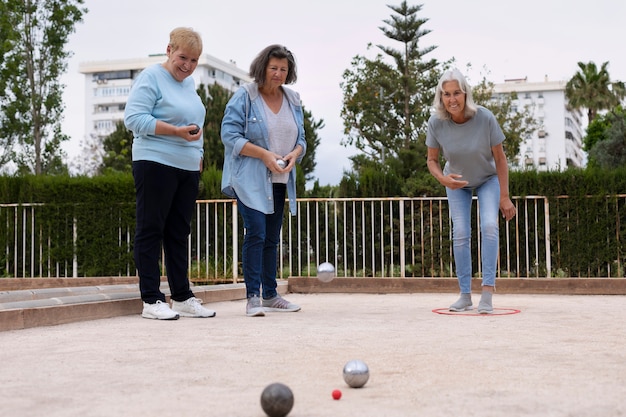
(336, 394)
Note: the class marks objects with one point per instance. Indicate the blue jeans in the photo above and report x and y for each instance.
(460, 204)
(260, 245)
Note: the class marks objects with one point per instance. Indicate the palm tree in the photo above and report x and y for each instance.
(593, 89)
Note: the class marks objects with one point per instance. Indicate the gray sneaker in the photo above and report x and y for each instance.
(192, 307)
(485, 306)
(463, 303)
(278, 303)
(254, 308)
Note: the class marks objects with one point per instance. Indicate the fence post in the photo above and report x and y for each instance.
(402, 246)
(74, 258)
(547, 226)
(235, 242)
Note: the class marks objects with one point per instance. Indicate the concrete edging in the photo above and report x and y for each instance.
(101, 302)
(47, 305)
(565, 286)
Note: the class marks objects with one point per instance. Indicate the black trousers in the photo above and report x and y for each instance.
(165, 199)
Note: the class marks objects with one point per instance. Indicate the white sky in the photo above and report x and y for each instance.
(533, 38)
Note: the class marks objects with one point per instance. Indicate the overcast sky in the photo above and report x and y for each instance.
(506, 39)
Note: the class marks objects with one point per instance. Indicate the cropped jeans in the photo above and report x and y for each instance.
(260, 245)
(460, 205)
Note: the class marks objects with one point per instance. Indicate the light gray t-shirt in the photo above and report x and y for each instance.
(283, 133)
(466, 147)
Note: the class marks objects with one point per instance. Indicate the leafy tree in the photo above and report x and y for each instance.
(89, 161)
(609, 151)
(593, 89)
(117, 150)
(8, 38)
(367, 112)
(596, 131)
(311, 127)
(32, 105)
(215, 97)
(417, 78)
(386, 106)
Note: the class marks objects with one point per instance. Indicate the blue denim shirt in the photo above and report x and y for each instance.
(245, 177)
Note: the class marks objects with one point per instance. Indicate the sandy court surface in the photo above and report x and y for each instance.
(559, 356)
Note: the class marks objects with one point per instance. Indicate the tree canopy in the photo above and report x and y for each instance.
(386, 105)
(33, 60)
(593, 89)
(606, 140)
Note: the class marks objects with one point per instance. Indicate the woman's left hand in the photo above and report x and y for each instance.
(507, 208)
(291, 159)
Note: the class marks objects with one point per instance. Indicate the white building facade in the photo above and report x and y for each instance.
(107, 85)
(557, 144)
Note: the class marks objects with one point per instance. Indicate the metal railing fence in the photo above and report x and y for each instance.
(369, 237)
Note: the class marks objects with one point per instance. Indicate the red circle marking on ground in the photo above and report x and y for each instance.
(496, 312)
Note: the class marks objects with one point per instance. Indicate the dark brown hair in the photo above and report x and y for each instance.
(259, 65)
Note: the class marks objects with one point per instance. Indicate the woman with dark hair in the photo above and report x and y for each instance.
(263, 136)
(470, 140)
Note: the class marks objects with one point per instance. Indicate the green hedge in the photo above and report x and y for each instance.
(588, 224)
(102, 209)
(573, 182)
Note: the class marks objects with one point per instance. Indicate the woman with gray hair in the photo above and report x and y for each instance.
(470, 140)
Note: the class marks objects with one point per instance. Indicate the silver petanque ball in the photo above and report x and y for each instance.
(281, 163)
(356, 373)
(325, 272)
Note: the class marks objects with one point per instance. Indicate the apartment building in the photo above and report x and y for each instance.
(557, 144)
(107, 85)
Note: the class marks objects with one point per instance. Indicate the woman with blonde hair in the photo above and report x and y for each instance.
(165, 114)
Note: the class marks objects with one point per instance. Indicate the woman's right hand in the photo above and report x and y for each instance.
(453, 181)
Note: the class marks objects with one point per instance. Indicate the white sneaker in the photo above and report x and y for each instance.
(192, 307)
(159, 311)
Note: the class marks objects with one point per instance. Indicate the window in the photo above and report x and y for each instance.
(105, 125)
(102, 77)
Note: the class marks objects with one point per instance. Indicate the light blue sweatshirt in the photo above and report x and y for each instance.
(246, 177)
(156, 95)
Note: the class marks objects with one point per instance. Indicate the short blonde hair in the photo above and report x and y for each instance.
(185, 38)
(454, 75)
